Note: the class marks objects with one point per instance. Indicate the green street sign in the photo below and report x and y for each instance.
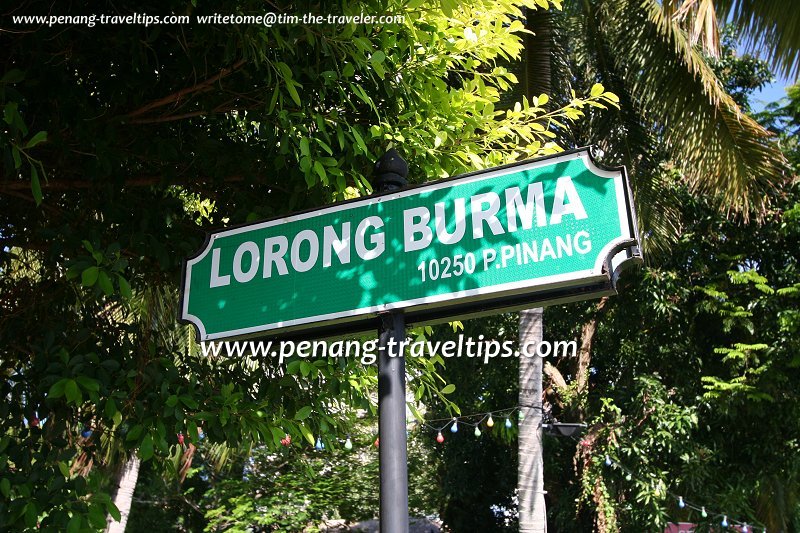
(558, 225)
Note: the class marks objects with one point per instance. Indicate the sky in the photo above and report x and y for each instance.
(770, 93)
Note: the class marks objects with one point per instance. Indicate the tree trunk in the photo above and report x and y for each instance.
(530, 484)
(123, 494)
(588, 331)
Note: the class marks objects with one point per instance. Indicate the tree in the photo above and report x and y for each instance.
(673, 105)
(648, 355)
(532, 515)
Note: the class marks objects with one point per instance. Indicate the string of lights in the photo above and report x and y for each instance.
(685, 504)
(476, 420)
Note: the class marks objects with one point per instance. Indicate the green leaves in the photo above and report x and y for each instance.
(124, 287)
(72, 392)
(89, 276)
(721, 150)
(36, 186)
(14, 75)
(69, 388)
(303, 413)
(146, 447)
(289, 82)
(40, 137)
(376, 61)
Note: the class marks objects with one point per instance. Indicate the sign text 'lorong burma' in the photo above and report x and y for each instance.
(523, 229)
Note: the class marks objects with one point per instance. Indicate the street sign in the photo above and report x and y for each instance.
(506, 234)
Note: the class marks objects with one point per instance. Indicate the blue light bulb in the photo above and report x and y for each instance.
(319, 446)
(454, 427)
(724, 521)
(681, 503)
(608, 460)
(508, 423)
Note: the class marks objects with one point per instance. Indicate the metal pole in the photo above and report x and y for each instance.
(392, 425)
(390, 174)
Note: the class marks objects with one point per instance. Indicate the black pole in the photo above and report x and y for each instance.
(390, 175)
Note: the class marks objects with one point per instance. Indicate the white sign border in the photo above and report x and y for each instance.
(628, 230)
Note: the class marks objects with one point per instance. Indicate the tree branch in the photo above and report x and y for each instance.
(176, 97)
(12, 188)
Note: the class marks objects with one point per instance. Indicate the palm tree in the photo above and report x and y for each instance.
(654, 56)
(532, 516)
(122, 494)
(153, 312)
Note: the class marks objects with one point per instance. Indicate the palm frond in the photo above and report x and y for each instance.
(623, 134)
(720, 149)
(768, 26)
(699, 18)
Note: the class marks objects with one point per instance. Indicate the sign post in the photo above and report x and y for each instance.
(390, 175)
(535, 233)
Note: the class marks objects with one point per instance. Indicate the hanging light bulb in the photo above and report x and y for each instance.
(521, 415)
(490, 422)
(377, 442)
(319, 446)
(681, 503)
(745, 529)
(608, 460)
(703, 513)
(348, 444)
(454, 427)
(477, 431)
(508, 423)
(440, 438)
(724, 522)
(628, 477)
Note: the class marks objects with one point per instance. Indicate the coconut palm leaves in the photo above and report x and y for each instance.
(673, 107)
(769, 25)
(719, 149)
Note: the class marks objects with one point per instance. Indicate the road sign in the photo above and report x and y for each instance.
(506, 234)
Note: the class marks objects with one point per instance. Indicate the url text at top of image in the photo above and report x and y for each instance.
(268, 19)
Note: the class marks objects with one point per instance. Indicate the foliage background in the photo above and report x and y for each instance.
(122, 145)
